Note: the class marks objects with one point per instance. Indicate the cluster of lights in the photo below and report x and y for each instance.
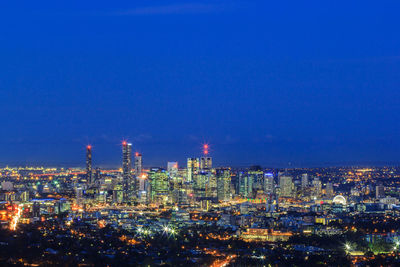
(142, 231)
(169, 230)
(15, 219)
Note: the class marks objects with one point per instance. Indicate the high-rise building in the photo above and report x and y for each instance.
(193, 166)
(316, 187)
(329, 190)
(172, 168)
(257, 176)
(159, 185)
(223, 184)
(245, 184)
(286, 186)
(200, 183)
(138, 164)
(380, 191)
(205, 163)
(269, 183)
(128, 185)
(89, 170)
(304, 180)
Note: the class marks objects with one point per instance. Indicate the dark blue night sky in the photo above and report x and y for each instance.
(263, 82)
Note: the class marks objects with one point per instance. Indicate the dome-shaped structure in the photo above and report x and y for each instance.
(339, 199)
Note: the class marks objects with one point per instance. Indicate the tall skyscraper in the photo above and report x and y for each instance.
(245, 184)
(286, 186)
(193, 166)
(269, 183)
(223, 184)
(205, 163)
(304, 180)
(127, 171)
(138, 164)
(89, 170)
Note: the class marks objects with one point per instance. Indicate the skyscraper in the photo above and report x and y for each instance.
(89, 170)
(286, 186)
(223, 184)
(245, 184)
(329, 190)
(380, 191)
(205, 163)
(138, 164)
(159, 186)
(268, 183)
(128, 185)
(304, 180)
(172, 168)
(192, 168)
(317, 187)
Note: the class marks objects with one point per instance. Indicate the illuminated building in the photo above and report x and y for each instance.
(199, 183)
(257, 176)
(128, 182)
(205, 163)
(89, 170)
(159, 185)
(193, 166)
(379, 191)
(286, 186)
(138, 164)
(304, 180)
(223, 184)
(245, 184)
(117, 194)
(316, 187)
(329, 190)
(172, 168)
(269, 183)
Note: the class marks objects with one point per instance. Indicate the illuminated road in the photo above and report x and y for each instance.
(223, 262)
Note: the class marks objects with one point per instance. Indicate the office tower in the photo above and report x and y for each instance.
(286, 186)
(223, 184)
(128, 185)
(96, 176)
(193, 166)
(304, 180)
(329, 190)
(245, 184)
(79, 195)
(257, 176)
(172, 168)
(138, 164)
(89, 171)
(200, 181)
(269, 183)
(159, 185)
(316, 187)
(205, 163)
(380, 191)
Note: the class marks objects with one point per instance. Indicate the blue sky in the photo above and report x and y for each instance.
(314, 83)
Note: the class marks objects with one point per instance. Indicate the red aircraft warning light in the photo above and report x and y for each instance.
(205, 149)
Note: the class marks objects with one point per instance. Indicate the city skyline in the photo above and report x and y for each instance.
(262, 83)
